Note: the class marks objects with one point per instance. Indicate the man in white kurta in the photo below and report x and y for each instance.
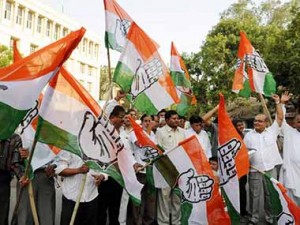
(290, 170)
(262, 140)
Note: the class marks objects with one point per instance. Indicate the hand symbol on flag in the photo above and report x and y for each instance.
(195, 188)
(226, 156)
(150, 153)
(121, 30)
(29, 117)
(255, 62)
(91, 140)
(145, 75)
(286, 219)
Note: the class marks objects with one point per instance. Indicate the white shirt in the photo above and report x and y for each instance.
(202, 138)
(71, 184)
(290, 171)
(267, 154)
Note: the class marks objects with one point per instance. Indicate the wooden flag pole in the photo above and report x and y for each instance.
(78, 199)
(265, 108)
(109, 73)
(20, 193)
(32, 204)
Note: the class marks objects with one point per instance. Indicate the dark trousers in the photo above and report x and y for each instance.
(109, 200)
(243, 195)
(86, 214)
(4, 196)
(145, 213)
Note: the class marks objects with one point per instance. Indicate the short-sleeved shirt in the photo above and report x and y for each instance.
(267, 154)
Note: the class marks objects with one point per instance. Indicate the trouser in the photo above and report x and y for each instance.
(109, 200)
(44, 197)
(243, 195)
(4, 196)
(145, 213)
(86, 214)
(257, 186)
(168, 207)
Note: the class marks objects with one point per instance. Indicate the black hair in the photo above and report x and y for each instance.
(163, 110)
(213, 158)
(143, 117)
(195, 119)
(170, 113)
(117, 111)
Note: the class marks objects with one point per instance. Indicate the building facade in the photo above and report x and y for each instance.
(35, 25)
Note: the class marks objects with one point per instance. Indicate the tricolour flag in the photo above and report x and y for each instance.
(252, 74)
(71, 119)
(143, 75)
(284, 209)
(199, 189)
(117, 24)
(22, 82)
(43, 153)
(181, 79)
(233, 161)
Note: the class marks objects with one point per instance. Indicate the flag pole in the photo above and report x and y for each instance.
(20, 193)
(109, 74)
(265, 108)
(78, 199)
(32, 204)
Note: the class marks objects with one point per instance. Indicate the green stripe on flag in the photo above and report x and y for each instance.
(186, 211)
(276, 206)
(246, 91)
(50, 134)
(123, 76)
(10, 118)
(234, 215)
(167, 170)
(144, 104)
(110, 42)
(180, 79)
(184, 105)
(269, 85)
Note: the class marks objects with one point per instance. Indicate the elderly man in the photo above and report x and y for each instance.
(290, 171)
(263, 141)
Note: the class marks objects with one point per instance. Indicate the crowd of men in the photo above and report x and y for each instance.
(105, 202)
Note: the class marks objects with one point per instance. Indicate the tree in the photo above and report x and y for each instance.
(265, 25)
(5, 56)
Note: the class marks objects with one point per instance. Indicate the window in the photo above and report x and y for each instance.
(82, 82)
(84, 45)
(48, 28)
(19, 18)
(90, 48)
(12, 39)
(8, 9)
(57, 32)
(39, 24)
(29, 20)
(65, 31)
(82, 68)
(90, 71)
(33, 48)
(96, 50)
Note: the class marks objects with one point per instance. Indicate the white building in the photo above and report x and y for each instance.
(36, 25)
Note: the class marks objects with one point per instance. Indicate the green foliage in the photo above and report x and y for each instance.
(272, 27)
(5, 56)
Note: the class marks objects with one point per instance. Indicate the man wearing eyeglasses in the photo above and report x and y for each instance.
(263, 140)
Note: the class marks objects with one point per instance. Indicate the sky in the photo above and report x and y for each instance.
(185, 22)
